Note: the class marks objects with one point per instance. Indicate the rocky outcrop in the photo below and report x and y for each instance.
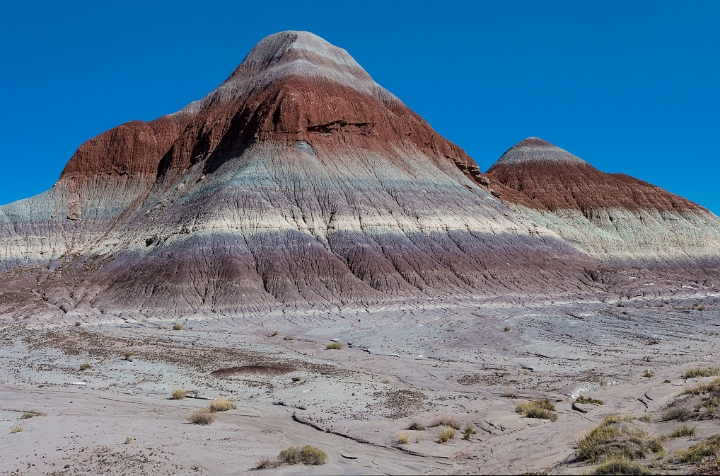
(613, 217)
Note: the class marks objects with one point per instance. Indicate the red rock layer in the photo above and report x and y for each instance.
(545, 179)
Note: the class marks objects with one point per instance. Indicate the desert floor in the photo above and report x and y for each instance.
(472, 362)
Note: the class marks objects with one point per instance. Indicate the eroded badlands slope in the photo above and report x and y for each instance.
(613, 217)
(299, 181)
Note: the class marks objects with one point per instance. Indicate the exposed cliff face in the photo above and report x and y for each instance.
(298, 182)
(613, 217)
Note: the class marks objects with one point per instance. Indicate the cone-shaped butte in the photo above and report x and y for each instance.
(298, 182)
(612, 217)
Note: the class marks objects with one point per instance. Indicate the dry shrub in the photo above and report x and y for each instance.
(16, 429)
(445, 434)
(416, 426)
(128, 440)
(85, 366)
(510, 393)
(306, 455)
(334, 346)
(468, 432)
(445, 421)
(404, 437)
(266, 463)
(506, 328)
(679, 414)
(177, 394)
(221, 405)
(177, 327)
(288, 338)
(202, 417)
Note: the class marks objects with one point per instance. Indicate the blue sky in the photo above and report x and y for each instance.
(631, 87)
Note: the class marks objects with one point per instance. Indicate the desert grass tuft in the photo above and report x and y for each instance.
(543, 409)
(403, 437)
(620, 466)
(177, 327)
(698, 372)
(202, 417)
(710, 387)
(31, 414)
(468, 432)
(177, 394)
(334, 346)
(506, 329)
(682, 431)
(128, 440)
(649, 374)
(613, 439)
(221, 405)
(590, 400)
(445, 434)
(288, 338)
(85, 366)
(306, 455)
(699, 451)
(128, 355)
(16, 429)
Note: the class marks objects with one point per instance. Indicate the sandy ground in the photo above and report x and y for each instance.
(396, 366)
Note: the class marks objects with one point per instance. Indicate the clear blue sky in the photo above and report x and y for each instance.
(629, 86)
